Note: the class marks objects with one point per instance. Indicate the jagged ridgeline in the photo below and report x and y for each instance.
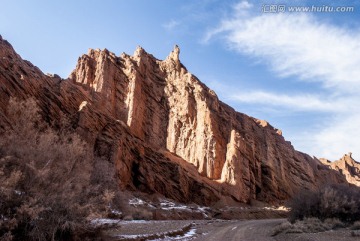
(163, 130)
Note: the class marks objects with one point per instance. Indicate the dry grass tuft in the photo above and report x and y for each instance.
(281, 228)
(308, 225)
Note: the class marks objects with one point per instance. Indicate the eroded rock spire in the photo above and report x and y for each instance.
(174, 55)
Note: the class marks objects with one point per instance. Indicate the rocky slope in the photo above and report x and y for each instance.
(346, 166)
(163, 129)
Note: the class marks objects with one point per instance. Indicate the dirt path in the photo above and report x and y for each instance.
(216, 230)
(201, 230)
(247, 230)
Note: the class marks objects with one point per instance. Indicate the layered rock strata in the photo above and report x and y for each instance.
(165, 130)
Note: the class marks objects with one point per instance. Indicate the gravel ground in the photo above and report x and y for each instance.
(216, 230)
(148, 227)
(152, 230)
(333, 235)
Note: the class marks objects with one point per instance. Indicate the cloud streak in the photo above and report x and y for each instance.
(297, 45)
(302, 47)
(171, 25)
(300, 102)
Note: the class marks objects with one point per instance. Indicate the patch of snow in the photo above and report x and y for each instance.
(185, 237)
(167, 205)
(233, 228)
(131, 236)
(190, 233)
(177, 207)
(103, 221)
(17, 192)
(117, 212)
(135, 221)
(136, 201)
(202, 209)
(139, 202)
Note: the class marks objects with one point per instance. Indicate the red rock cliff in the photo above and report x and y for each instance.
(347, 167)
(149, 115)
(165, 105)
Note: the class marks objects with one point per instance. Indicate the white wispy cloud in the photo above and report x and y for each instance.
(303, 47)
(338, 136)
(171, 24)
(297, 45)
(300, 102)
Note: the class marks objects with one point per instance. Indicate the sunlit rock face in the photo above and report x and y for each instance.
(164, 130)
(346, 166)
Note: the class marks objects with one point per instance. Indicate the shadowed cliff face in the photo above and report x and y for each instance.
(164, 130)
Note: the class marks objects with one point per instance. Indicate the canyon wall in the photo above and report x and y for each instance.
(165, 105)
(141, 112)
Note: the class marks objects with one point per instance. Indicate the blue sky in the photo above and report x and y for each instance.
(299, 71)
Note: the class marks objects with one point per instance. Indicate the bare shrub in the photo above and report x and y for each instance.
(45, 178)
(281, 228)
(334, 223)
(308, 225)
(356, 225)
(105, 192)
(7, 237)
(355, 233)
(312, 225)
(336, 201)
(304, 204)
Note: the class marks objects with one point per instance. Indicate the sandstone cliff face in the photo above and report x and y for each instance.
(347, 167)
(165, 105)
(166, 131)
(139, 166)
